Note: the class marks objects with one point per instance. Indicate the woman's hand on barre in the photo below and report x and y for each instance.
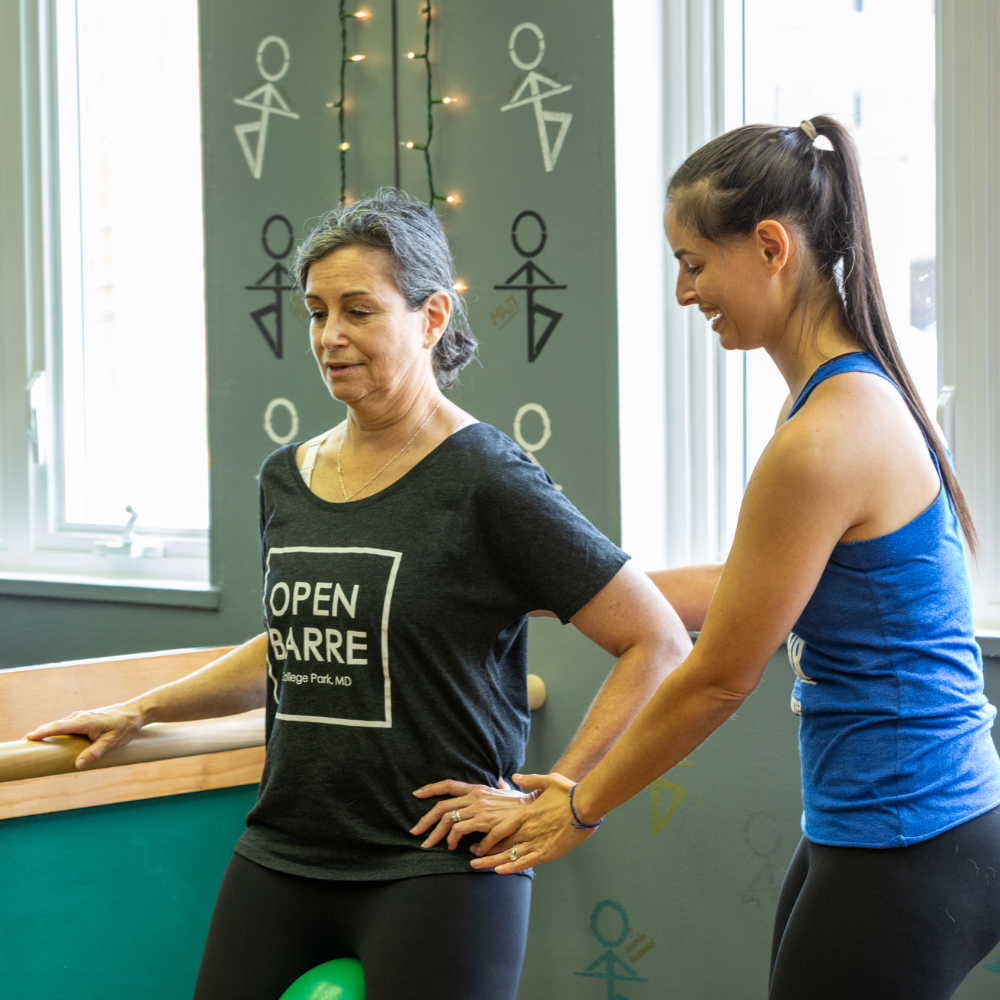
(543, 831)
(106, 728)
(480, 808)
(230, 685)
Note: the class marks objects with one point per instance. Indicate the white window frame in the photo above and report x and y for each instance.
(41, 554)
(672, 399)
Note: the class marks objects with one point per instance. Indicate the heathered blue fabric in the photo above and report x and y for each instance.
(894, 734)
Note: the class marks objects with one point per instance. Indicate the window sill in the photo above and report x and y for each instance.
(989, 641)
(169, 593)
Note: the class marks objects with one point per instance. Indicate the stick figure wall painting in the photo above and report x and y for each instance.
(610, 966)
(268, 101)
(527, 274)
(532, 82)
(278, 238)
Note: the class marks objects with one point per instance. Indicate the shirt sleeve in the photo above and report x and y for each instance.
(547, 548)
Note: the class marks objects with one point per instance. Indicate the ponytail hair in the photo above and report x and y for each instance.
(723, 190)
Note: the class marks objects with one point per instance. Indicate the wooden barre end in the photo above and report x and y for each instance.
(536, 692)
(37, 759)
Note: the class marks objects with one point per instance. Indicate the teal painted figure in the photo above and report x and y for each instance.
(611, 962)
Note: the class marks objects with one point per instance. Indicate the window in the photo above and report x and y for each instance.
(694, 419)
(115, 485)
(884, 93)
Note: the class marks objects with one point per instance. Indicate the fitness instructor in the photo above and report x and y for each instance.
(849, 543)
(402, 552)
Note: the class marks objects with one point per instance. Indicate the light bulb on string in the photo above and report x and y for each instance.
(460, 286)
(357, 58)
(345, 146)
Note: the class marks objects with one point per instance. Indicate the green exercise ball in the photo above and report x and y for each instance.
(341, 979)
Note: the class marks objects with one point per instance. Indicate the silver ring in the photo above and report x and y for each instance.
(512, 854)
(456, 816)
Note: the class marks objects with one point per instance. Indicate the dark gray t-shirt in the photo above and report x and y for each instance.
(398, 647)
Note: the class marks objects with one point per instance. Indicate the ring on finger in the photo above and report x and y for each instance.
(513, 854)
(456, 816)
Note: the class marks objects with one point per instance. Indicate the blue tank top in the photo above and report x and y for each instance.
(894, 735)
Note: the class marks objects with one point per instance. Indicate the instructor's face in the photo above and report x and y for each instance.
(365, 337)
(730, 285)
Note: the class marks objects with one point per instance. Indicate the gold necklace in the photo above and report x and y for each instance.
(387, 464)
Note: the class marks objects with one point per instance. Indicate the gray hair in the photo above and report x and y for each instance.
(410, 233)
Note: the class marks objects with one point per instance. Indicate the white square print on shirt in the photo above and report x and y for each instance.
(327, 612)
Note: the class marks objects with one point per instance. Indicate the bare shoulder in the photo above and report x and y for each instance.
(865, 409)
(325, 439)
(855, 442)
(835, 435)
(454, 418)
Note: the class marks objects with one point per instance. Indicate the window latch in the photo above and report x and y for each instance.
(38, 428)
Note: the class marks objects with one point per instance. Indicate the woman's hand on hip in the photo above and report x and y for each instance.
(478, 809)
(106, 728)
(543, 831)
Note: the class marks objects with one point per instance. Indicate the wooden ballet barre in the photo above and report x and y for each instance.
(22, 759)
(158, 741)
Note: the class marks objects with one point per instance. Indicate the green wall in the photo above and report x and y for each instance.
(118, 898)
(113, 900)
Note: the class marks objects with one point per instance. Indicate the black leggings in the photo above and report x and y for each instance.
(906, 923)
(440, 937)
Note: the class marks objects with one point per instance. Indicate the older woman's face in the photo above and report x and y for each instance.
(365, 337)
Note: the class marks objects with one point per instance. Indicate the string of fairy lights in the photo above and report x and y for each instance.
(425, 146)
(345, 17)
(344, 145)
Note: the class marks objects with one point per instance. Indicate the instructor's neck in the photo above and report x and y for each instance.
(808, 342)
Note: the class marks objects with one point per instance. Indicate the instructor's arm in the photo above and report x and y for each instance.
(795, 510)
(629, 620)
(231, 684)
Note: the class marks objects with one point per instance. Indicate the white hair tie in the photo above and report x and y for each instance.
(809, 129)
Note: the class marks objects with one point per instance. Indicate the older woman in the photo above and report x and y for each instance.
(402, 553)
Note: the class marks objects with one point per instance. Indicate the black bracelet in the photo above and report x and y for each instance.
(578, 824)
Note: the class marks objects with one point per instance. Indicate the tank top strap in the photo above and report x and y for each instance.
(312, 450)
(859, 361)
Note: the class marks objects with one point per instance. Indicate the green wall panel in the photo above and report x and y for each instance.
(114, 900)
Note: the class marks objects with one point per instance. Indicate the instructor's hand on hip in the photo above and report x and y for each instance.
(543, 833)
(470, 809)
(106, 728)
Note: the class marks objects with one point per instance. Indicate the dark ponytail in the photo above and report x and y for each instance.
(723, 190)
